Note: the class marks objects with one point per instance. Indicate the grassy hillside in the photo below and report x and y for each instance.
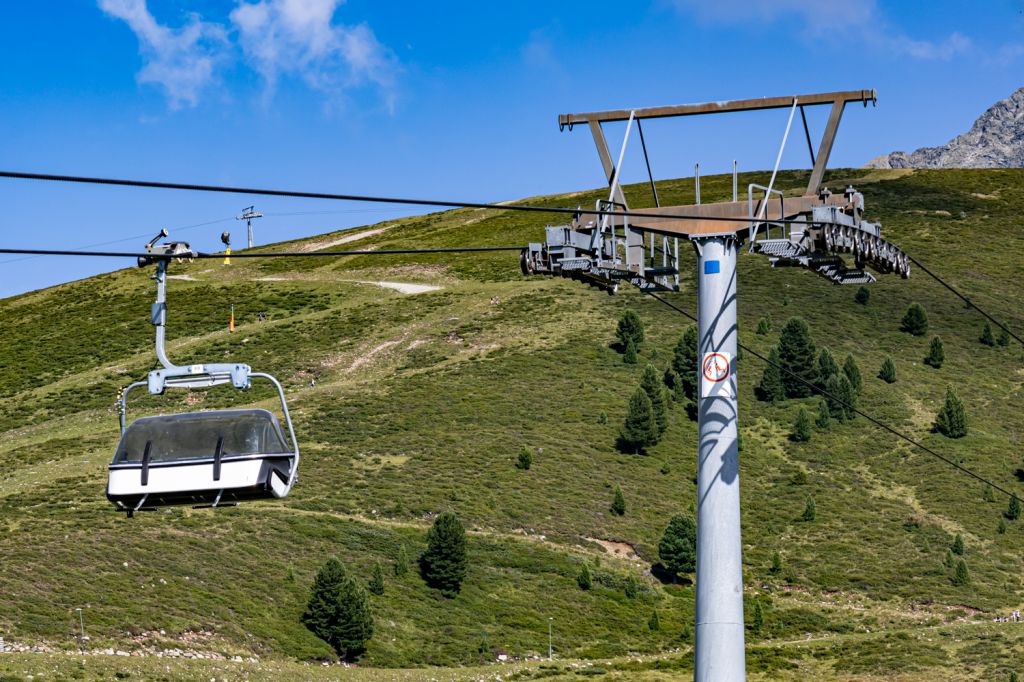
(421, 404)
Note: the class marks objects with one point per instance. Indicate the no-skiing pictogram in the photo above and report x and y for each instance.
(715, 369)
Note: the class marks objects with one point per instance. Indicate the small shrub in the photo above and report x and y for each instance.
(525, 459)
(810, 510)
(862, 296)
(1004, 338)
(665, 468)
(1001, 526)
(631, 588)
(654, 623)
(989, 494)
(1013, 511)
(757, 618)
(948, 560)
(583, 578)
(799, 478)
(764, 325)
(936, 355)
(888, 371)
(402, 561)
(958, 545)
(776, 566)
(376, 584)
(987, 337)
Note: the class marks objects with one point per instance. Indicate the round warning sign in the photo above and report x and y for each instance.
(715, 367)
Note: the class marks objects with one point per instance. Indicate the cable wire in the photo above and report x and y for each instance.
(880, 424)
(49, 177)
(278, 254)
(965, 299)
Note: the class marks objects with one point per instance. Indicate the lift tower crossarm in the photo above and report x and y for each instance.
(838, 100)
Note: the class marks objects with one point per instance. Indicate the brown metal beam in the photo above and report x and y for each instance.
(720, 107)
(825, 149)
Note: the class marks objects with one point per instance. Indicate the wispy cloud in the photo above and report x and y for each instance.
(277, 38)
(300, 38)
(860, 20)
(179, 60)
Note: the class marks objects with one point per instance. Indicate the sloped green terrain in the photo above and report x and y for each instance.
(421, 404)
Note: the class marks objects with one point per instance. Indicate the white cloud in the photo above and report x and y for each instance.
(180, 60)
(299, 38)
(859, 20)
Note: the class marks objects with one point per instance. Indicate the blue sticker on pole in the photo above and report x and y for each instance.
(712, 267)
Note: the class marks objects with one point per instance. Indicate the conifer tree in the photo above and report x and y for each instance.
(936, 355)
(948, 560)
(402, 561)
(824, 420)
(1013, 677)
(888, 371)
(852, 372)
(618, 503)
(630, 356)
(640, 430)
(961, 576)
(764, 325)
(776, 566)
(988, 495)
(827, 366)
(801, 427)
(1013, 511)
(840, 398)
(684, 361)
(797, 356)
(1001, 526)
(958, 545)
(915, 321)
(757, 618)
(632, 588)
(678, 546)
(445, 562)
(771, 388)
(674, 383)
(525, 459)
(630, 328)
(583, 578)
(655, 390)
(654, 624)
(987, 337)
(376, 584)
(862, 296)
(1004, 338)
(810, 510)
(338, 611)
(952, 419)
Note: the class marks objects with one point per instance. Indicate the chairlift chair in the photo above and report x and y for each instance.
(212, 458)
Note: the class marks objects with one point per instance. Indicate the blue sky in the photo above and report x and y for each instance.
(450, 100)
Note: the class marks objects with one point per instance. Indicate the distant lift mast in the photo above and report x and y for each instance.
(248, 215)
(809, 231)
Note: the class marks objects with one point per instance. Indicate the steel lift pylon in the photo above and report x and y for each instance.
(641, 247)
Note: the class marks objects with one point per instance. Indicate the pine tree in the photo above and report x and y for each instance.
(376, 585)
(961, 576)
(674, 383)
(988, 494)
(840, 398)
(525, 459)
(402, 561)
(1013, 677)
(1013, 511)
(771, 388)
(824, 420)
(776, 566)
(757, 618)
(338, 611)
(862, 296)
(654, 624)
(852, 372)
(640, 430)
(1004, 337)
(684, 361)
(801, 427)
(583, 578)
(764, 325)
(444, 563)
(948, 560)
(888, 371)
(810, 510)
(958, 545)
(631, 588)
(936, 355)
(618, 503)
(797, 356)
(952, 419)
(654, 389)
(678, 546)
(827, 366)
(630, 328)
(1001, 526)
(915, 321)
(987, 337)
(630, 356)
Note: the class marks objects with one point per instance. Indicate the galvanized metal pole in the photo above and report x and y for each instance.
(718, 632)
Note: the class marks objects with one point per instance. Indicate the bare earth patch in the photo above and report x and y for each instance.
(320, 244)
(622, 550)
